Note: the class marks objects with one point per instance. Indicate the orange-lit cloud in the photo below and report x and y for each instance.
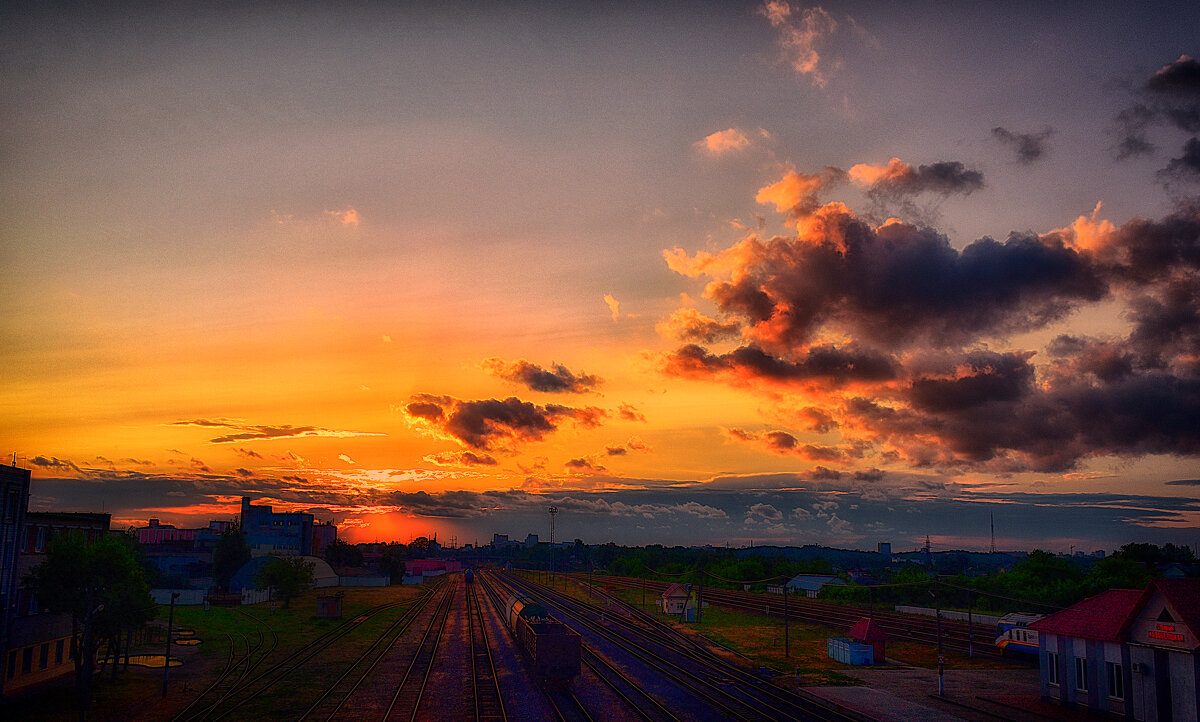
(629, 412)
(461, 458)
(800, 36)
(688, 324)
(724, 141)
(347, 217)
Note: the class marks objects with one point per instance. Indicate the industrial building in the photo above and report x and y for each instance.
(292, 532)
(39, 646)
(1127, 652)
(14, 496)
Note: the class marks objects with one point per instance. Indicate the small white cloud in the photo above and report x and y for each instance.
(613, 305)
(346, 459)
(724, 141)
(386, 339)
(348, 217)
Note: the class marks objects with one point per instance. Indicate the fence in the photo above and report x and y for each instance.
(951, 614)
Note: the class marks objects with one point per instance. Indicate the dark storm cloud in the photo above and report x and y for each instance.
(1186, 166)
(583, 464)
(940, 399)
(1170, 97)
(896, 285)
(827, 363)
(988, 377)
(944, 178)
(55, 464)
(902, 508)
(997, 418)
(1028, 146)
(784, 443)
(534, 377)
(492, 424)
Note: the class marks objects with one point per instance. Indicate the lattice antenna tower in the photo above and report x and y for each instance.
(993, 519)
(552, 510)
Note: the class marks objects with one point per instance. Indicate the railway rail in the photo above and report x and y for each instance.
(975, 640)
(485, 682)
(329, 704)
(406, 701)
(725, 689)
(216, 702)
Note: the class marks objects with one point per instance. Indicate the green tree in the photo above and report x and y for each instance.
(104, 589)
(230, 554)
(290, 576)
(1117, 572)
(341, 554)
(391, 561)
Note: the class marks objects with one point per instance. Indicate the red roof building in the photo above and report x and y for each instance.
(867, 631)
(1133, 653)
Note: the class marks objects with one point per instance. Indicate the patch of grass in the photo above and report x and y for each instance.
(137, 693)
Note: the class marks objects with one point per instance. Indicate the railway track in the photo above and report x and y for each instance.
(406, 701)
(975, 640)
(485, 683)
(724, 689)
(333, 699)
(218, 701)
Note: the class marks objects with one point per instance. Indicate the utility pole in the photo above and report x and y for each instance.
(970, 626)
(553, 511)
(941, 660)
(167, 660)
(786, 647)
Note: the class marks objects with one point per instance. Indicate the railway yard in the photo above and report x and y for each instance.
(504, 646)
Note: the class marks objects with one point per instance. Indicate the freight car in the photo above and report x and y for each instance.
(552, 646)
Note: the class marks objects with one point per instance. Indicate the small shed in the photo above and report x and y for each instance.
(674, 599)
(866, 631)
(329, 606)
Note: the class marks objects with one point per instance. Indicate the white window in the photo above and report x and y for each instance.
(1052, 668)
(1081, 674)
(1116, 681)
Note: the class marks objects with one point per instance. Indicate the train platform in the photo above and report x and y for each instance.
(901, 693)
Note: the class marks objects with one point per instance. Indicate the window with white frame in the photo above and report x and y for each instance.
(1052, 668)
(1081, 674)
(1116, 681)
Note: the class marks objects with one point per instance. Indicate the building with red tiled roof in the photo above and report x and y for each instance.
(1128, 652)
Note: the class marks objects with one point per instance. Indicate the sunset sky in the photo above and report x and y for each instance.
(721, 273)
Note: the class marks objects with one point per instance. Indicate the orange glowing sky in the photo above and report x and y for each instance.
(693, 277)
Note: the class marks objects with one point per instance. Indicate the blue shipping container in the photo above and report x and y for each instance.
(847, 652)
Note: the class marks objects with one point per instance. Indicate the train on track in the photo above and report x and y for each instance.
(552, 646)
(1015, 635)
